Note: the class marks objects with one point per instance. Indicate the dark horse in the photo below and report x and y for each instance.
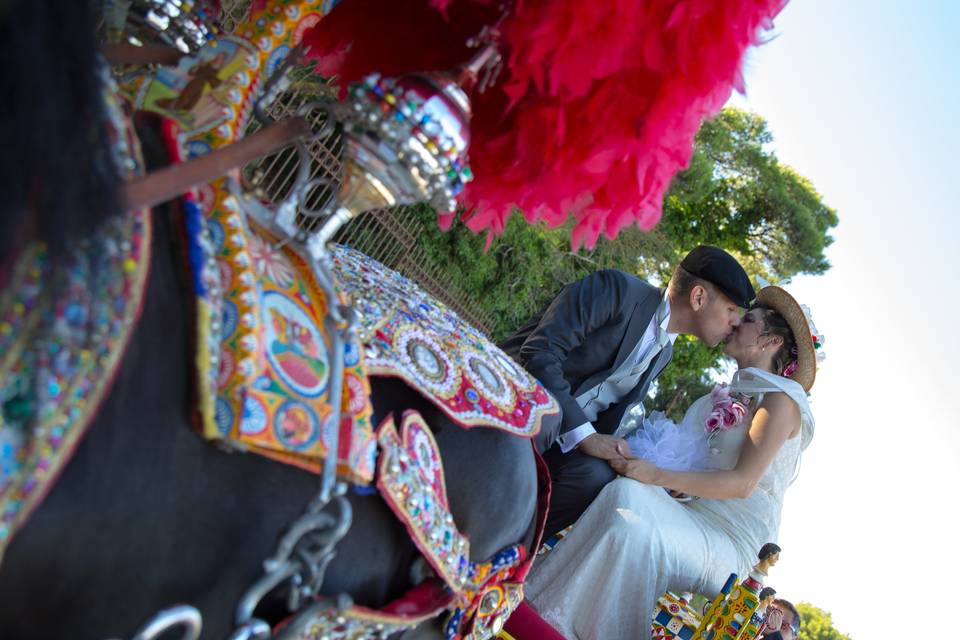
(147, 514)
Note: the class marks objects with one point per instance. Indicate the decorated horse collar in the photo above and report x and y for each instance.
(62, 344)
(64, 327)
(63, 330)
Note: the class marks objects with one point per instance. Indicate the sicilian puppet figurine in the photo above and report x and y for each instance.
(767, 596)
(759, 617)
(769, 555)
(744, 600)
(732, 615)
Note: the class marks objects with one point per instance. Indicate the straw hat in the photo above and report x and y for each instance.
(805, 333)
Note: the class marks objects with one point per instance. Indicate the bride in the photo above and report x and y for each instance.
(635, 541)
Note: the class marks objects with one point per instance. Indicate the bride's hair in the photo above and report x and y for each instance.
(775, 325)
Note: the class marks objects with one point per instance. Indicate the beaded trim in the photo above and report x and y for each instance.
(484, 614)
(410, 480)
(62, 343)
(495, 587)
(411, 335)
(435, 137)
(423, 602)
(496, 590)
(482, 595)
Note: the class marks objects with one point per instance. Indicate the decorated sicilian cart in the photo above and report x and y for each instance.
(738, 612)
(372, 474)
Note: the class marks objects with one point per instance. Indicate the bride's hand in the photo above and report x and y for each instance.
(604, 447)
(639, 470)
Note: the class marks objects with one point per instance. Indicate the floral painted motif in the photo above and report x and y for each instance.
(269, 262)
(261, 338)
(296, 425)
(269, 392)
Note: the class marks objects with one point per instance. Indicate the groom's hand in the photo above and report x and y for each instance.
(605, 447)
(639, 470)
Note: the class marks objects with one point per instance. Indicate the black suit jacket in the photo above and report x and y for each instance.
(583, 336)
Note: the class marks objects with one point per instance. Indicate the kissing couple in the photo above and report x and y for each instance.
(654, 505)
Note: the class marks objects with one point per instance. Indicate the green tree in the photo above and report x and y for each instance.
(817, 624)
(735, 195)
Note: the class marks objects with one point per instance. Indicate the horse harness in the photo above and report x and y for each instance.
(288, 332)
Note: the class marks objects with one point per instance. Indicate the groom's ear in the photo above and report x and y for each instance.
(698, 297)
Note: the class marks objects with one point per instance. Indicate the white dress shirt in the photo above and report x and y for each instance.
(593, 401)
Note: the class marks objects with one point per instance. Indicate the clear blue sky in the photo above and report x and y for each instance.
(861, 98)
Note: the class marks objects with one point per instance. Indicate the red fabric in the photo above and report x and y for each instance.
(526, 624)
(426, 600)
(596, 108)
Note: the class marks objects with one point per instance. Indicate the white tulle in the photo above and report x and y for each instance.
(635, 542)
(669, 445)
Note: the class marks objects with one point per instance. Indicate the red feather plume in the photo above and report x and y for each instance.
(596, 108)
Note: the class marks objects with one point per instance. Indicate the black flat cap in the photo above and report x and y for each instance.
(719, 268)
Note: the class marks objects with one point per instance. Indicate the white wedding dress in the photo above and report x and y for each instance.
(634, 541)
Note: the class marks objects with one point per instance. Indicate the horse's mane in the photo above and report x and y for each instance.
(57, 174)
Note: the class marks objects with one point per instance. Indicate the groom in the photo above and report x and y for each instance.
(599, 345)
